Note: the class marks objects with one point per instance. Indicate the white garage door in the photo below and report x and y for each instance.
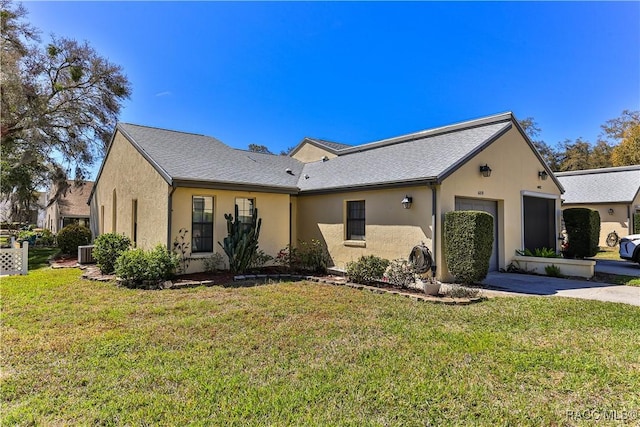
(489, 206)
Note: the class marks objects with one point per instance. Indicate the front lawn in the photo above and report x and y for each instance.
(89, 353)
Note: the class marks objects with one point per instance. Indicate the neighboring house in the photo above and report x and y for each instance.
(613, 192)
(70, 208)
(36, 215)
(154, 185)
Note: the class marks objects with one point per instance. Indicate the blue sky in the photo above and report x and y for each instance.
(355, 72)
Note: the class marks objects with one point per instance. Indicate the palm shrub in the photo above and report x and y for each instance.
(72, 236)
(468, 243)
(367, 269)
(107, 248)
(241, 243)
(583, 232)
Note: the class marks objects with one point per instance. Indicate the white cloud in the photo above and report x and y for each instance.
(165, 93)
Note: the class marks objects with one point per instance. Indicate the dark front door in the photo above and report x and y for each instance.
(539, 223)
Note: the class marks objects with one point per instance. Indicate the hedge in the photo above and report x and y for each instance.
(468, 244)
(636, 223)
(72, 236)
(583, 232)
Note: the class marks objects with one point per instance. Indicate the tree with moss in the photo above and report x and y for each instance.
(59, 105)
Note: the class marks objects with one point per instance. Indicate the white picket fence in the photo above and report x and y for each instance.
(14, 260)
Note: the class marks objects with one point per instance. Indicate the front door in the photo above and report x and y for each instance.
(491, 207)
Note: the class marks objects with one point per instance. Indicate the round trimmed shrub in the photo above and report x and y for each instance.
(72, 236)
(137, 266)
(107, 248)
(468, 243)
(583, 232)
(367, 269)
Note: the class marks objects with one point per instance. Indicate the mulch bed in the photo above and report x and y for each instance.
(264, 276)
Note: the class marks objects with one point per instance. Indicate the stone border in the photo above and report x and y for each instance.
(93, 273)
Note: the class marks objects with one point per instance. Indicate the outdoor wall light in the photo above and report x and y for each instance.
(406, 202)
(485, 171)
(543, 175)
(611, 211)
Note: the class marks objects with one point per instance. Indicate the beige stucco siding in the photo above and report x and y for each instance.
(310, 153)
(515, 170)
(129, 176)
(272, 208)
(619, 221)
(391, 231)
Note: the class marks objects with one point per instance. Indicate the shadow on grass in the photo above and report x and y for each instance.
(39, 257)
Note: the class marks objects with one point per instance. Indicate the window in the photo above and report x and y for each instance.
(202, 224)
(134, 221)
(245, 210)
(355, 220)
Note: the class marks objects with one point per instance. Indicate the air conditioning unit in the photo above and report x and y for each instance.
(85, 255)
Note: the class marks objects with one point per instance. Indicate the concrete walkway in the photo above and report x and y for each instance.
(622, 268)
(528, 284)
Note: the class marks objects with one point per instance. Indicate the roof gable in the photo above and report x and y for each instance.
(193, 158)
(73, 202)
(423, 158)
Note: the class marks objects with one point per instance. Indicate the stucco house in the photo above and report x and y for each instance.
(70, 208)
(154, 185)
(613, 192)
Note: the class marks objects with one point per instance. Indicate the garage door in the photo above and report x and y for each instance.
(489, 206)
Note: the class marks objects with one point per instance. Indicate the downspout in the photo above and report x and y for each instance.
(434, 227)
(169, 211)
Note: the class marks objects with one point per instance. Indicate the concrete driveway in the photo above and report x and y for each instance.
(623, 268)
(529, 284)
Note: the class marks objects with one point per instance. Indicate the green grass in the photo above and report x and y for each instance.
(39, 257)
(608, 253)
(89, 353)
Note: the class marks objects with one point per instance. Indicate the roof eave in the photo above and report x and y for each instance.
(236, 186)
(371, 186)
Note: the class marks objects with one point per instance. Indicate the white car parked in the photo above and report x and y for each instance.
(630, 248)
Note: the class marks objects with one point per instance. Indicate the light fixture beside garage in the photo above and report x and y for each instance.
(406, 202)
(611, 211)
(543, 175)
(485, 171)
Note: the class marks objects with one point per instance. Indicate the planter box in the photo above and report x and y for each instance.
(568, 267)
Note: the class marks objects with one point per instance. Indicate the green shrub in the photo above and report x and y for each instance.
(137, 266)
(259, 259)
(72, 236)
(308, 256)
(553, 271)
(107, 248)
(400, 273)
(46, 238)
(583, 232)
(539, 252)
(313, 256)
(636, 223)
(367, 269)
(468, 242)
(213, 263)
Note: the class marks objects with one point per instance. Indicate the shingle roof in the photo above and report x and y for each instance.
(332, 146)
(404, 160)
(426, 156)
(74, 202)
(607, 185)
(180, 156)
